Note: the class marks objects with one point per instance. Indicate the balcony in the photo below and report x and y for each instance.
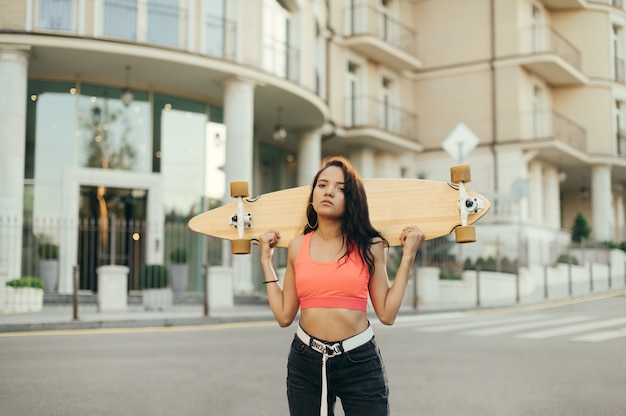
(556, 136)
(381, 38)
(549, 55)
(565, 4)
(375, 122)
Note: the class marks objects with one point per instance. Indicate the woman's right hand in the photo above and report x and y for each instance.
(267, 242)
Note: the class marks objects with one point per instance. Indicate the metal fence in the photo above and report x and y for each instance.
(37, 244)
(106, 242)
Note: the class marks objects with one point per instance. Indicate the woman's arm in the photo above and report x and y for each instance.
(283, 300)
(387, 298)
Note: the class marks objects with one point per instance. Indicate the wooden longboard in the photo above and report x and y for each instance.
(393, 204)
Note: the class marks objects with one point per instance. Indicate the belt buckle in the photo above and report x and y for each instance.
(330, 351)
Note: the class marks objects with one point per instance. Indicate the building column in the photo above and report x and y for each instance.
(535, 188)
(601, 203)
(239, 120)
(618, 221)
(388, 166)
(364, 161)
(552, 198)
(309, 156)
(13, 84)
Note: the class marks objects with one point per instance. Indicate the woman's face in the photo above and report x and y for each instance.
(328, 197)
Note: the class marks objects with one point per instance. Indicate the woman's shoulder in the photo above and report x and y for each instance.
(294, 245)
(378, 240)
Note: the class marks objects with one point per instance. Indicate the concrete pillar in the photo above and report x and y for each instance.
(364, 161)
(387, 166)
(309, 156)
(618, 198)
(13, 87)
(601, 203)
(552, 197)
(536, 193)
(239, 119)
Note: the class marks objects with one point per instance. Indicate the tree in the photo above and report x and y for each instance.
(580, 229)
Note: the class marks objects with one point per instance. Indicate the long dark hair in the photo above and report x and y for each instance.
(356, 226)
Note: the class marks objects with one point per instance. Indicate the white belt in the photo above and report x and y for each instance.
(329, 350)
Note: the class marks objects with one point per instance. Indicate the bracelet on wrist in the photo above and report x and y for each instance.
(270, 281)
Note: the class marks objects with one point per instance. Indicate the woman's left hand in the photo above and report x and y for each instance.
(411, 237)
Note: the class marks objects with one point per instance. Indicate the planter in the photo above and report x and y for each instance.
(23, 300)
(112, 288)
(49, 273)
(220, 284)
(179, 272)
(158, 299)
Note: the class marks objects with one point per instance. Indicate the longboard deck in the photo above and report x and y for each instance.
(393, 204)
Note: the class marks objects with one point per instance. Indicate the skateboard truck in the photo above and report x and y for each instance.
(240, 220)
(246, 219)
(467, 205)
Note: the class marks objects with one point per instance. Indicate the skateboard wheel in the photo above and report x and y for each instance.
(239, 189)
(465, 234)
(460, 174)
(241, 246)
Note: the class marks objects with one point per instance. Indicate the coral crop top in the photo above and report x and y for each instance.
(338, 284)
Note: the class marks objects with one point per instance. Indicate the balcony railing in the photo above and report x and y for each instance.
(363, 111)
(367, 20)
(543, 39)
(549, 124)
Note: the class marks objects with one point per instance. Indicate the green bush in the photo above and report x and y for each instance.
(580, 229)
(491, 265)
(567, 259)
(154, 276)
(48, 251)
(178, 255)
(26, 281)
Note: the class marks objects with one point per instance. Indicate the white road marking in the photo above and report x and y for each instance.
(601, 336)
(476, 324)
(527, 325)
(572, 329)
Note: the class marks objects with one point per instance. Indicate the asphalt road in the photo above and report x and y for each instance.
(567, 360)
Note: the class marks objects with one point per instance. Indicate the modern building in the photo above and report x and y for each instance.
(121, 118)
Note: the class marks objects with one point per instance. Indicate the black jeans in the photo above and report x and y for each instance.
(357, 377)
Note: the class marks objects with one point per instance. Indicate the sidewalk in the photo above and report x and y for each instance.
(60, 316)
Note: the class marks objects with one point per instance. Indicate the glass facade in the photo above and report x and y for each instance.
(85, 129)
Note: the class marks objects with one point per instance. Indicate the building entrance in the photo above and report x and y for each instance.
(112, 232)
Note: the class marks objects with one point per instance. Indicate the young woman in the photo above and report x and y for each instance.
(331, 268)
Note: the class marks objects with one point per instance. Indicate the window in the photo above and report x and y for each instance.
(352, 86)
(120, 19)
(56, 15)
(215, 27)
(163, 22)
(620, 128)
(159, 22)
(279, 58)
(537, 29)
(618, 68)
(386, 104)
(539, 114)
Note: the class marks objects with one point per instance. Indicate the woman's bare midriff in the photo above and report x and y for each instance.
(333, 324)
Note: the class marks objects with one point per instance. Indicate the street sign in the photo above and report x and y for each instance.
(460, 142)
